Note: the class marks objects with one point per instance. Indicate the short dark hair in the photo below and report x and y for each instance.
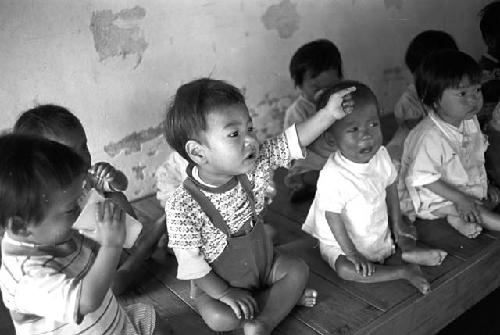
(425, 43)
(186, 115)
(47, 120)
(360, 96)
(316, 57)
(442, 70)
(490, 20)
(31, 166)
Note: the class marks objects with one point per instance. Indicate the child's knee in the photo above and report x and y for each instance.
(221, 320)
(299, 270)
(344, 268)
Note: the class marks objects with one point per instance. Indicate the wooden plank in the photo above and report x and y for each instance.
(337, 312)
(149, 207)
(439, 234)
(457, 291)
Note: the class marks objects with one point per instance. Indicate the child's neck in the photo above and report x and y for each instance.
(211, 179)
(60, 250)
(453, 121)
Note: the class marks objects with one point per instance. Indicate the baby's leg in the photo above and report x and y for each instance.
(217, 315)
(289, 276)
(491, 220)
(411, 253)
(410, 272)
(468, 229)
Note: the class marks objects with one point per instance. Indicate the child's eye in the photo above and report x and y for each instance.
(250, 129)
(352, 130)
(234, 134)
(461, 93)
(374, 124)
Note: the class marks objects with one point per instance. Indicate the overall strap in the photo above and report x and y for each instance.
(245, 183)
(207, 206)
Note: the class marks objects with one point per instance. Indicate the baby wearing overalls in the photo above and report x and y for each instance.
(238, 280)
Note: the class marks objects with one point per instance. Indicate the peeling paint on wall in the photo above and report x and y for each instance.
(118, 34)
(282, 17)
(269, 113)
(133, 142)
(138, 171)
(398, 4)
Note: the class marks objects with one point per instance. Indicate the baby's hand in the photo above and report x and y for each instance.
(110, 225)
(468, 209)
(361, 264)
(241, 302)
(340, 103)
(107, 178)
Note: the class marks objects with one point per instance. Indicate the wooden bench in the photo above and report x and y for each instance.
(468, 274)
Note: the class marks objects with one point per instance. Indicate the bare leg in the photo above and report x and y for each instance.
(290, 275)
(410, 272)
(468, 229)
(491, 220)
(411, 253)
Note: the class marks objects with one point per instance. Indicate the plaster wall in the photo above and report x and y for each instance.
(116, 64)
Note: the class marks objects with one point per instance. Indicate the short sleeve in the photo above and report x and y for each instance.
(425, 167)
(48, 293)
(191, 264)
(329, 195)
(292, 138)
(391, 171)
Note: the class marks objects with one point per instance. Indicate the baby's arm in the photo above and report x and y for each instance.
(466, 205)
(361, 264)
(401, 228)
(240, 301)
(339, 105)
(110, 229)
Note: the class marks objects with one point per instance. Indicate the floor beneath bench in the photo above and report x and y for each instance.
(469, 273)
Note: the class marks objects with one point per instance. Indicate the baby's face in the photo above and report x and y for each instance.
(358, 134)
(62, 211)
(312, 85)
(229, 142)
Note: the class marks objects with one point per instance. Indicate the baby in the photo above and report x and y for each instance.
(355, 193)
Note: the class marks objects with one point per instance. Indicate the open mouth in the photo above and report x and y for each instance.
(366, 150)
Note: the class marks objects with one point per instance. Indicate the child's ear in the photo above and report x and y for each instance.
(17, 226)
(196, 152)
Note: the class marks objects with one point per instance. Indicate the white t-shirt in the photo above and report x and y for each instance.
(358, 193)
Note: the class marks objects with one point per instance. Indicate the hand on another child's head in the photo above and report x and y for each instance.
(341, 103)
(103, 171)
(110, 224)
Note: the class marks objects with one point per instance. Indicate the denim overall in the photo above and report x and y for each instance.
(247, 258)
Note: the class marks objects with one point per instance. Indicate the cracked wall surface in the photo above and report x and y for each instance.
(116, 65)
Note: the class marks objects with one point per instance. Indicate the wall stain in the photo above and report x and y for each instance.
(133, 142)
(398, 4)
(138, 171)
(118, 34)
(282, 17)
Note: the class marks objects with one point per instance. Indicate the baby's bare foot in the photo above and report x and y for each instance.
(422, 256)
(256, 327)
(415, 276)
(308, 298)
(468, 229)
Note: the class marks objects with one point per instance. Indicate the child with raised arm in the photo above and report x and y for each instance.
(238, 279)
(409, 110)
(356, 195)
(53, 279)
(314, 66)
(442, 169)
(59, 124)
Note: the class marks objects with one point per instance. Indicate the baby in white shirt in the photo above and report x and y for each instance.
(349, 215)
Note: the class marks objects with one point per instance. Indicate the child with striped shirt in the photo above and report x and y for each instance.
(53, 279)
